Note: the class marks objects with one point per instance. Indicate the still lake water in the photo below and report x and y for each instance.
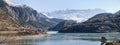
(69, 39)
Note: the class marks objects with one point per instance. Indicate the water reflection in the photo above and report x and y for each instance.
(67, 39)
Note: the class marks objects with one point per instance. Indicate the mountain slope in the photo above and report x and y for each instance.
(9, 22)
(54, 21)
(27, 17)
(30, 17)
(62, 24)
(7, 15)
(101, 23)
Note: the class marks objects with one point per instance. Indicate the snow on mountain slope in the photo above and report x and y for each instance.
(74, 14)
(12, 3)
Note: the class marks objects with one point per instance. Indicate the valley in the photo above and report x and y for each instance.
(22, 24)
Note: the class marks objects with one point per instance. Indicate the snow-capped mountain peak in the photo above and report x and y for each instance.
(9, 2)
(45, 14)
(75, 14)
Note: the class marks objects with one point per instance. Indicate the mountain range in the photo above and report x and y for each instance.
(100, 23)
(23, 19)
(74, 14)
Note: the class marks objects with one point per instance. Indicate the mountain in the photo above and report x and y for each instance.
(27, 17)
(10, 3)
(74, 14)
(30, 17)
(4, 17)
(10, 22)
(54, 21)
(23, 19)
(62, 24)
(100, 23)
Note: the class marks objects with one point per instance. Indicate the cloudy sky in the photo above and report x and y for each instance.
(52, 5)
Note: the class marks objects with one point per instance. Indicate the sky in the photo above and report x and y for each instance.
(52, 5)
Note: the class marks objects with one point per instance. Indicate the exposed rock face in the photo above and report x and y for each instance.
(10, 22)
(7, 16)
(23, 16)
(101, 23)
(30, 17)
(22, 19)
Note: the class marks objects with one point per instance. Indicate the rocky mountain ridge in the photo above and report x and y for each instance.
(22, 19)
(100, 23)
(74, 14)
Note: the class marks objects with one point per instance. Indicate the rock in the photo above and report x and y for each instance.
(109, 43)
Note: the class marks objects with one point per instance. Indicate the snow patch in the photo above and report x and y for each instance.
(74, 14)
(47, 15)
(9, 2)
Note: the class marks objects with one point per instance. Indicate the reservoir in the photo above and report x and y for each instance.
(68, 39)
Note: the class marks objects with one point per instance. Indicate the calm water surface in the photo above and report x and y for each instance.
(69, 39)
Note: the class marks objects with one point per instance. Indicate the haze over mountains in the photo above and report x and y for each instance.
(74, 14)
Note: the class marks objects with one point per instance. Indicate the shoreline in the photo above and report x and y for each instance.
(7, 39)
(30, 36)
